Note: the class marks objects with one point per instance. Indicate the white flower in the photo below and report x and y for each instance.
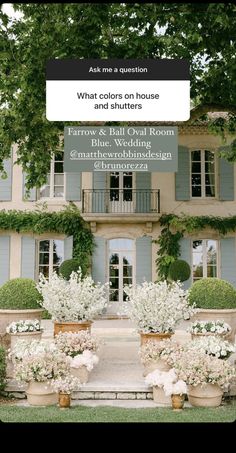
(87, 359)
(27, 325)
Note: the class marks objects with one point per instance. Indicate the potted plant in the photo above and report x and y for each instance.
(209, 328)
(156, 308)
(19, 300)
(158, 379)
(38, 364)
(81, 348)
(64, 387)
(214, 346)
(28, 329)
(153, 355)
(216, 300)
(72, 304)
(177, 391)
(206, 376)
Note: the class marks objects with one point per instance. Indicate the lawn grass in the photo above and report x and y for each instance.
(83, 414)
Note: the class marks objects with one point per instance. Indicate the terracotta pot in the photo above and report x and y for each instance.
(41, 394)
(208, 395)
(177, 402)
(81, 373)
(64, 400)
(159, 364)
(159, 397)
(8, 316)
(154, 336)
(27, 336)
(227, 315)
(71, 326)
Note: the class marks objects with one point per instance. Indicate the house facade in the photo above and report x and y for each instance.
(124, 210)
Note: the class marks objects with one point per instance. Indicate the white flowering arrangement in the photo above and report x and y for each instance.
(66, 385)
(73, 344)
(214, 346)
(87, 359)
(22, 326)
(167, 380)
(74, 300)
(199, 368)
(39, 361)
(157, 307)
(209, 327)
(152, 351)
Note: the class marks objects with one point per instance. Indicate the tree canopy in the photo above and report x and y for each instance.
(203, 33)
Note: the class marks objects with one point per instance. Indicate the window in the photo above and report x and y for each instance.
(121, 185)
(203, 173)
(51, 255)
(204, 258)
(54, 188)
(121, 264)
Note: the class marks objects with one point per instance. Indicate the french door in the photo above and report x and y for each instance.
(121, 199)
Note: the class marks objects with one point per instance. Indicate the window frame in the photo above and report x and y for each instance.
(203, 186)
(50, 264)
(205, 258)
(51, 183)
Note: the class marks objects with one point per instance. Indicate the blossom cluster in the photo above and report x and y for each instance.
(214, 327)
(27, 325)
(214, 346)
(66, 385)
(168, 380)
(73, 344)
(74, 300)
(87, 359)
(152, 351)
(157, 307)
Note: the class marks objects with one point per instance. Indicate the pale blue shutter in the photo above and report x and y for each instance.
(186, 255)
(143, 259)
(99, 193)
(143, 192)
(226, 170)
(99, 260)
(182, 177)
(73, 186)
(32, 192)
(68, 248)
(228, 260)
(4, 259)
(28, 257)
(6, 184)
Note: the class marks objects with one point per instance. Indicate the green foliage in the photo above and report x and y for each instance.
(3, 366)
(179, 270)
(69, 266)
(174, 228)
(19, 294)
(67, 221)
(213, 293)
(202, 33)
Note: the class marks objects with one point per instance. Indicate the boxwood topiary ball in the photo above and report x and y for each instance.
(213, 293)
(179, 270)
(69, 266)
(19, 294)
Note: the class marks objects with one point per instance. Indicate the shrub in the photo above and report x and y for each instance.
(2, 368)
(213, 293)
(19, 294)
(179, 270)
(69, 266)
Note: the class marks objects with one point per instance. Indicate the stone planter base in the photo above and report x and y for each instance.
(208, 395)
(159, 397)
(27, 336)
(71, 327)
(228, 316)
(81, 373)
(41, 394)
(154, 337)
(8, 316)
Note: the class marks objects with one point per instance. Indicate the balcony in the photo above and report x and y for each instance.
(127, 205)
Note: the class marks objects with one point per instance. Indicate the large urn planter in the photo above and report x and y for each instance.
(26, 336)
(71, 326)
(227, 315)
(9, 316)
(160, 398)
(224, 336)
(81, 373)
(208, 395)
(41, 394)
(144, 337)
(159, 364)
